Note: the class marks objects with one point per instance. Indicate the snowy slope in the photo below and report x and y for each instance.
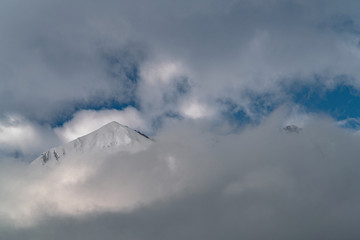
(110, 138)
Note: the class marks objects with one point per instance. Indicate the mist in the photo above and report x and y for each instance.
(194, 182)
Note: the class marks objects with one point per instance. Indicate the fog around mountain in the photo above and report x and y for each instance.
(193, 183)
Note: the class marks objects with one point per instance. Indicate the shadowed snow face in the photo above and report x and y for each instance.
(192, 183)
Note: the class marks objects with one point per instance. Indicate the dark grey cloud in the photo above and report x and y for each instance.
(57, 55)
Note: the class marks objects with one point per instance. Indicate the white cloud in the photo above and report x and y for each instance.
(195, 110)
(19, 134)
(297, 116)
(163, 72)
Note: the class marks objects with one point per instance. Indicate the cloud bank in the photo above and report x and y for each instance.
(196, 184)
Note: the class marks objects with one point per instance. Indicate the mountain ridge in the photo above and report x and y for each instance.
(110, 137)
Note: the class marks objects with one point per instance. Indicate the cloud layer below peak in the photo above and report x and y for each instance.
(259, 182)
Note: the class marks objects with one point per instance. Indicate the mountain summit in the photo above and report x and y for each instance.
(111, 137)
(292, 129)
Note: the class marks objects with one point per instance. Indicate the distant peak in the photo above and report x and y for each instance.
(292, 129)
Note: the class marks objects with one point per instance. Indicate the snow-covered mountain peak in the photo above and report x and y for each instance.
(111, 137)
(111, 126)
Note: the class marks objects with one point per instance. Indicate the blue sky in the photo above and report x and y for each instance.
(341, 102)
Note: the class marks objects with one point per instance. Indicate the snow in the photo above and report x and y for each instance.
(112, 137)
